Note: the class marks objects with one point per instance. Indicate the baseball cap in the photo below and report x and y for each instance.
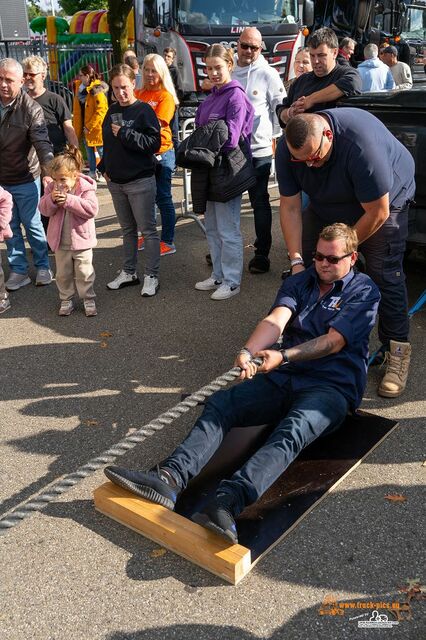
(391, 49)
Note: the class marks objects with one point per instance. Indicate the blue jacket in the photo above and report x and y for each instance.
(375, 76)
(350, 308)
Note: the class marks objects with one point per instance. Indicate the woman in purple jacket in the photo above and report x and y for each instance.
(227, 102)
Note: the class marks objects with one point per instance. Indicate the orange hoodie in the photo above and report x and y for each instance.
(164, 106)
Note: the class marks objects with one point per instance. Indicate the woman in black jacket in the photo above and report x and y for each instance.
(131, 135)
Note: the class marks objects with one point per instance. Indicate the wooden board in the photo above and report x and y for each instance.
(170, 530)
(306, 482)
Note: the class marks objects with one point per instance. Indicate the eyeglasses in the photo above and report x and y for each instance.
(319, 257)
(246, 46)
(31, 75)
(314, 158)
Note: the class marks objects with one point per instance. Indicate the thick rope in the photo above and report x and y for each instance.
(39, 502)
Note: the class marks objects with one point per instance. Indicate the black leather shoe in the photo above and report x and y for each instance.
(217, 516)
(156, 485)
(259, 264)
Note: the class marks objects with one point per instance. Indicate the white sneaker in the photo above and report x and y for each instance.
(16, 281)
(66, 308)
(90, 308)
(4, 305)
(123, 280)
(44, 277)
(208, 285)
(224, 292)
(150, 286)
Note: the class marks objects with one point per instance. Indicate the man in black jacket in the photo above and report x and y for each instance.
(325, 84)
(24, 146)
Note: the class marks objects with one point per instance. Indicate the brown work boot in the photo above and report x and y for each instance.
(397, 362)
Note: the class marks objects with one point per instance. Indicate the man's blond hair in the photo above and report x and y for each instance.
(341, 231)
(35, 62)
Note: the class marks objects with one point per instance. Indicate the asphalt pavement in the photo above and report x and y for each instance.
(72, 387)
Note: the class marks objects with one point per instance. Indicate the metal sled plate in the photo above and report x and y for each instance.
(307, 481)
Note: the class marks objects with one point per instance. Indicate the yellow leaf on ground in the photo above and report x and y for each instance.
(104, 345)
(105, 334)
(157, 553)
(92, 423)
(395, 497)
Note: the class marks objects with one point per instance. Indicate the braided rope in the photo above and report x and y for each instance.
(39, 502)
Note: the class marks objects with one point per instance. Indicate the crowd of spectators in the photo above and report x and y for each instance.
(128, 131)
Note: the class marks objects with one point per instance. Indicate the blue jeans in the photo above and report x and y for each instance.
(222, 221)
(92, 158)
(300, 418)
(26, 213)
(164, 200)
(259, 200)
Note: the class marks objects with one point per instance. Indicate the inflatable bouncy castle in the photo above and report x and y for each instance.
(85, 40)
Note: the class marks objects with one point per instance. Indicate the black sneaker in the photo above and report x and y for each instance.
(259, 264)
(217, 516)
(157, 485)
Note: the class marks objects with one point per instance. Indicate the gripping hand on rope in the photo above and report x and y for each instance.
(262, 362)
(255, 356)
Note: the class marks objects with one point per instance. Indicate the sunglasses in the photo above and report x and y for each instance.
(245, 46)
(31, 75)
(314, 158)
(319, 257)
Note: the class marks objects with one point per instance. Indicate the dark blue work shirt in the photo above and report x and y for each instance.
(366, 162)
(350, 307)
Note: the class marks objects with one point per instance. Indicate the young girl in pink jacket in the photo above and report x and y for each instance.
(71, 204)
(6, 206)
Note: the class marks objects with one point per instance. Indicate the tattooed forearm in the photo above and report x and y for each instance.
(313, 349)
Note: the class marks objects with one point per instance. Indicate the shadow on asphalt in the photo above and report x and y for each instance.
(295, 559)
(332, 626)
(84, 392)
(154, 353)
(295, 629)
(158, 349)
(107, 401)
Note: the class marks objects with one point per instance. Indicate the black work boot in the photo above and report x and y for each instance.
(157, 485)
(218, 516)
(259, 264)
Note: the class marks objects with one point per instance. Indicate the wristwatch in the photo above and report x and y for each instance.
(284, 357)
(296, 261)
